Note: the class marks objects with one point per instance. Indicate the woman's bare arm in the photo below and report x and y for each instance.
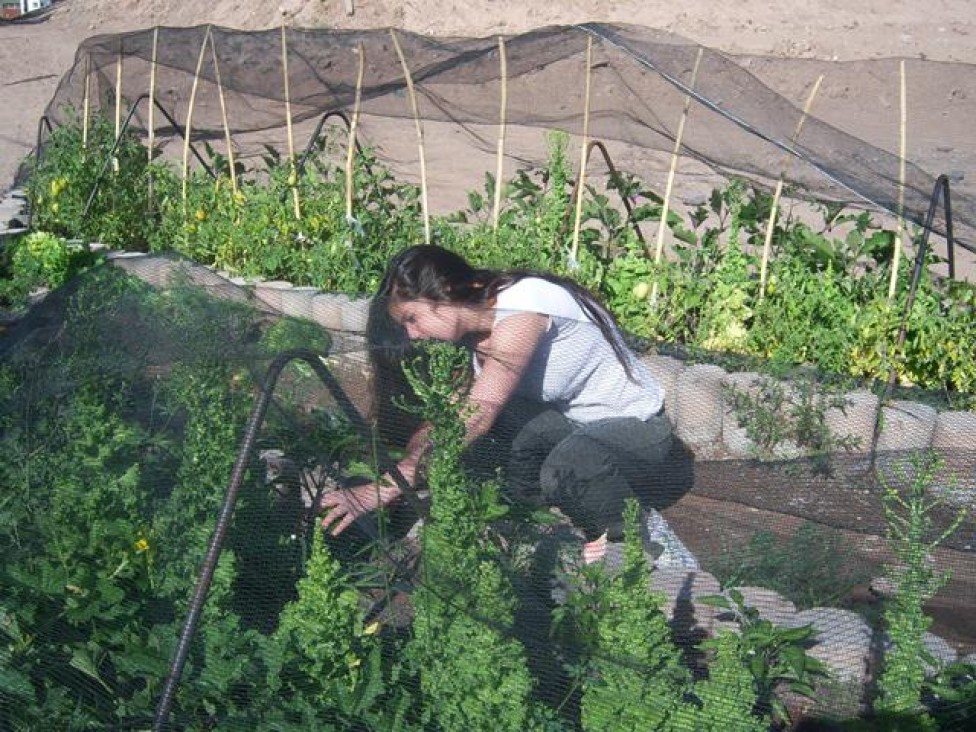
(506, 356)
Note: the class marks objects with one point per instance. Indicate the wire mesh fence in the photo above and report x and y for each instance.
(133, 412)
(788, 551)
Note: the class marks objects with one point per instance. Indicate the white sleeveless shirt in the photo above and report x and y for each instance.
(574, 368)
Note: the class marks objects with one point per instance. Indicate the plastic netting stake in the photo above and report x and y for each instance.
(223, 116)
(86, 103)
(293, 177)
(151, 124)
(189, 116)
(118, 104)
(902, 145)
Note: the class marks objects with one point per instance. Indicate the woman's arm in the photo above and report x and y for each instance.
(506, 357)
(507, 353)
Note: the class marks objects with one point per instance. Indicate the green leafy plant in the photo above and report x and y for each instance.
(811, 567)
(473, 674)
(775, 414)
(41, 260)
(94, 189)
(637, 680)
(776, 657)
(912, 536)
(727, 308)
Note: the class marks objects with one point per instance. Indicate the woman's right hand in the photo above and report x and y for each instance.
(345, 505)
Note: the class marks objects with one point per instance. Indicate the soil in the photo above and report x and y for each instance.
(732, 501)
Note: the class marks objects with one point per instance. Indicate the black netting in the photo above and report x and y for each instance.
(640, 78)
(172, 438)
(145, 424)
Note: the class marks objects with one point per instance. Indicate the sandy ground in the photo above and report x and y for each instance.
(783, 43)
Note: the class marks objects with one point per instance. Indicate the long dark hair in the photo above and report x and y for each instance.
(429, 272)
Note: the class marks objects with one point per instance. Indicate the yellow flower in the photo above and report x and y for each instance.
(372, 628)
(141, 545)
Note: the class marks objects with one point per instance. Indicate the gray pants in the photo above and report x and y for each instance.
(587, 470)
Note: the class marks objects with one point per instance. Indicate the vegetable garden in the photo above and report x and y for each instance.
(156, 472)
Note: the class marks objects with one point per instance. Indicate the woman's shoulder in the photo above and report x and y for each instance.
(538, 295)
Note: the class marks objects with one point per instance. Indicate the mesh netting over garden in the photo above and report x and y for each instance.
(800, 555)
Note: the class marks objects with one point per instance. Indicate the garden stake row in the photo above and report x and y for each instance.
(209, 565)
(125, 126)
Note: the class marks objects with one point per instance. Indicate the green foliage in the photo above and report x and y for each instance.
(73, 588)
(776, 656)
(775, 415)
(324, 662)
(70, 170)
(912, 537)
(254, 231)
(824, 304)
(727, 698)
(38, 260)
(473, 674)
(806, 317)
(727, 308)
(637, 679)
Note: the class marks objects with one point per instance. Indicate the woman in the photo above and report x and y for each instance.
(553, 383)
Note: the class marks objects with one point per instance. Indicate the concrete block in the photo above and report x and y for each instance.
(327, 310)
(856, 420)
(355, 314)
(666, 370)
(700, 407)
(269, 294)
(906, 426)
(296, 302)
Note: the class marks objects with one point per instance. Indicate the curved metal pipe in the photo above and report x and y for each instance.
(215, 547)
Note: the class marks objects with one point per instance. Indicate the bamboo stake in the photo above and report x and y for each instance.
(118, 104)
(353, 127)
(777, 194)
(574, 251)
(86, 104)
(503, 119)
(293, 178)
(152, 113)
(189, 116)
(666, 203)
(902, 153)
(223, 117)
(420, 135)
